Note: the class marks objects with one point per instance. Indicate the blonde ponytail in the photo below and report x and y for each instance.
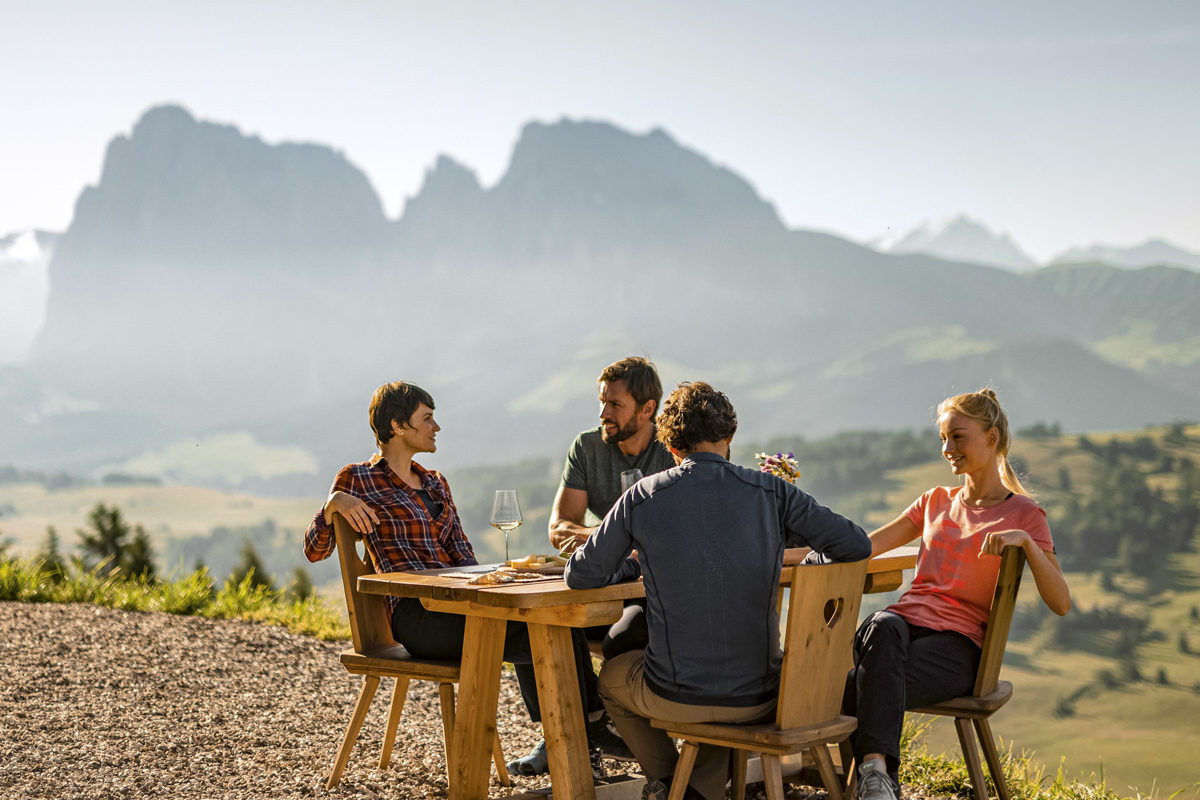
(984, 408)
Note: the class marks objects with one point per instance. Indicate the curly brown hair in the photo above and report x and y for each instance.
(695, 413)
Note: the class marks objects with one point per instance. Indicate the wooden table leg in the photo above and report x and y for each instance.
(475, 718)
(562, 712)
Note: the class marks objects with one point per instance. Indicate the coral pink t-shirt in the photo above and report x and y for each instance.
(953, 587)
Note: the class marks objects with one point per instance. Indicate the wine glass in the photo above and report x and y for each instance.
(506, 514)
(628, 478)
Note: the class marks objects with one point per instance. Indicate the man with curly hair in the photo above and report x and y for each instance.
(709, 537)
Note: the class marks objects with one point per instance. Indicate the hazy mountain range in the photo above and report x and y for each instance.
(212, 283)
(964, 239)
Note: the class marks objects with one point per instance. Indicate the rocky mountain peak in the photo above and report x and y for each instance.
(964, 239)
(595, 168)
(448, 188)
(177, 189)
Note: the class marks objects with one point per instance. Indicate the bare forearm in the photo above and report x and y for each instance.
(899, 531)
(563, 532)
(1048, 577)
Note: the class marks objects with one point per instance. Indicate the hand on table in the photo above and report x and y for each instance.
(995, 542)
(360, 515)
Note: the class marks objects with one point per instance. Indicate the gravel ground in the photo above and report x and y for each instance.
(100, 703)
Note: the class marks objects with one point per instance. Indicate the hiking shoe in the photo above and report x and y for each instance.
(536, 763)
(874, 783)
(602, 734)
(655, 790)
(599, 773)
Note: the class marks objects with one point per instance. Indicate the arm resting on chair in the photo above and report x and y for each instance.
(1047, 573)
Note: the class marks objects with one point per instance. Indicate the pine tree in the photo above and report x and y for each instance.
(52, 560)
(251, 565)
(301, 587)
(138, 558)
(106, 539)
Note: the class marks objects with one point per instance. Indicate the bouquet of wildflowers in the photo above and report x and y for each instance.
(779, 465)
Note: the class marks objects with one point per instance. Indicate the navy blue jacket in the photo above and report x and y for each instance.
(710, 537)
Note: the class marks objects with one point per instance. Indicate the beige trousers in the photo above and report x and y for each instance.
(632, 704)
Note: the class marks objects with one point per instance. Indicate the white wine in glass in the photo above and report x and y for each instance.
(506, 514)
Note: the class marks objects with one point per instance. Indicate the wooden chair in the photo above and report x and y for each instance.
(822, 617)
(376, 654)
(990, 694)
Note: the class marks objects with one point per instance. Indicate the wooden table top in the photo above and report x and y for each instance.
(543, 594)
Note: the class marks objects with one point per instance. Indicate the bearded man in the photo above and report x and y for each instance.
(630, 393)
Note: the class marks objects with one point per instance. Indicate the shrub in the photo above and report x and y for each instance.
(187, 596)
(19, 580)
(83, 585)
(241, 600)
(1107, 679)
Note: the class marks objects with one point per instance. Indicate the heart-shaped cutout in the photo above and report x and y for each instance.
(833, 611)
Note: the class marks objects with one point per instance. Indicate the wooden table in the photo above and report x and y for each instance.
(550, 609)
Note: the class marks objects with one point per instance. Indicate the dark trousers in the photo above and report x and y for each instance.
(630, 632)
(434, 634)
(898, 666)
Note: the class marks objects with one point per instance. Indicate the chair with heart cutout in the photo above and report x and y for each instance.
(822, 617)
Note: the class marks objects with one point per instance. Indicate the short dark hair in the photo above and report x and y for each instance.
(640, 377)
(395, 402)
(695, 413)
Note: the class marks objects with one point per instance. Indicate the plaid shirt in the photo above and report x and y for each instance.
(406, 539)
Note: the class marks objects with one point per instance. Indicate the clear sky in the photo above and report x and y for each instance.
(1062, 123)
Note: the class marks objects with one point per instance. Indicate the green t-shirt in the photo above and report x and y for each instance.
(595, 467)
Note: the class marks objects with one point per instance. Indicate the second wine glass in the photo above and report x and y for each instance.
(506, 514)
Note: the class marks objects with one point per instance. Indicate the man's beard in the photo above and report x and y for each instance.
(621, 434)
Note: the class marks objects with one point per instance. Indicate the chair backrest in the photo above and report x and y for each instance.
(822, 618)
(995, 639)
(368, 612)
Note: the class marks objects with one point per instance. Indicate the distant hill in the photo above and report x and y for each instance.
(964, 239)
(213, 283)
(1149, 253)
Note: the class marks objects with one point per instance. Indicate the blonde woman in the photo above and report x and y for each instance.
(925, 648)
